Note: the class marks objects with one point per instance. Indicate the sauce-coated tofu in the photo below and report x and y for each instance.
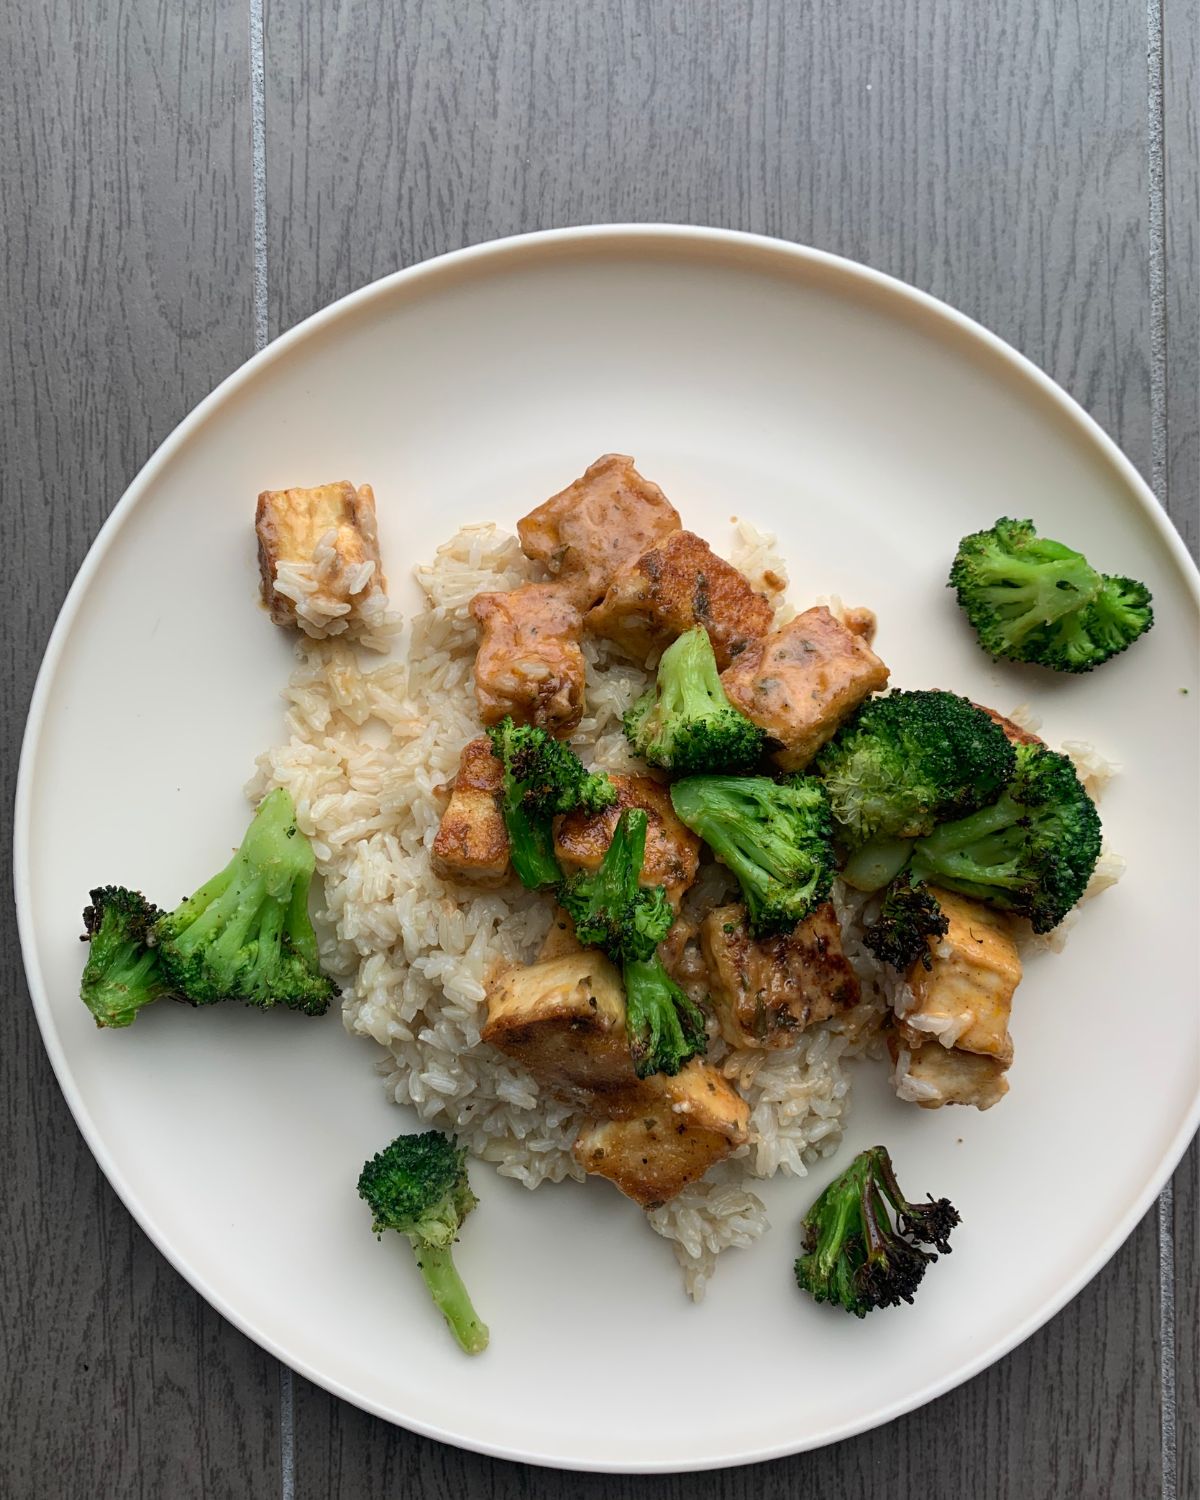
(800, 683)
(330, 532)
(581, 839)
(586, 532)
(768, 990)
(930, 1075)
(676, 585)
(529, 663)
(472, 841)
(964, 999)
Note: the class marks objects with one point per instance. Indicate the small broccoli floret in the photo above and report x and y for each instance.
(122, 973)
(1032, 852)
(907, 761)
(1035, 600)
(542, 777)
(665, 1028)
(246, 934)
(854, 1254)
(418, 1186)
(776, 837)
(910, 914)
(688, 725)
(609, 907)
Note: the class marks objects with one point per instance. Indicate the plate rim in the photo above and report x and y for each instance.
(618, 240)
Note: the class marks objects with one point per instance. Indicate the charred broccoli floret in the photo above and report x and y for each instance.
(665, 1028)
(854, 1254)
(246, 933)
(1035, 600)
(776, 837)
(542, 777)
(1031, 852)
(418, 1186)
(687, 723)
(610, 908)
(907, 761)
(122, 973)
(910, 914)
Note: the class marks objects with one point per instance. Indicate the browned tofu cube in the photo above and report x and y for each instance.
(581, 839)
(964, 998)
(800, 683)
(768, 990)
(930, 1075)
(529, 663)
(587, 531)
(560, 937)
(678, 584)
(318, 558)
(697, 1121)
(1015, 733)
(472, 841)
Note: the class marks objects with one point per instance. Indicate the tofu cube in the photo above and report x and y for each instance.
(672, 857)
(964, 998)
(932, 1076)
(529, 663)
(472, 840)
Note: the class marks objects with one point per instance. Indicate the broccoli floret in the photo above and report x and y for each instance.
(776, 837)
(542, 777)
(910, 914)
(688, 725)
(246, 934)
(1032, 852)
(609, 907)
(665, 1028)
(122, 973)
(854, 1254)
(908, 761)
(418, 1186)
(1035, 600)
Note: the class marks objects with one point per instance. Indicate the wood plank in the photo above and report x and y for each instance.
(125, 198)
(993, 154)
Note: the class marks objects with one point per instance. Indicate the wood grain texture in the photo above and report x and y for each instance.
(124, 194)
(992, 153)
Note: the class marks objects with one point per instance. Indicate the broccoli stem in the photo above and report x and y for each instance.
(876, 864)
(531, 846)
(447, 1290)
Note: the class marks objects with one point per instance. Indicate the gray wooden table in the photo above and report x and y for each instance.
(181, 182)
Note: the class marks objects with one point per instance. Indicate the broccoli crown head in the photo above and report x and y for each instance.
(907, 761)
(610, 908)
(687, 723)
(122, 973)
(1035, 600)
(664, 1026)
(910, 914)
(542, 777)
(775, 835)
(246, 933)
(418, 1186)
(1031, 852)
(854, 1253)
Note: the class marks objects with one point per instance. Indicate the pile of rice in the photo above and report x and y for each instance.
(366, 756)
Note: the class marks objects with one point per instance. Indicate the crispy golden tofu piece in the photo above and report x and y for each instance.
(326, 537)
(680, 583)
(560, 936)
(930, 1075)
(529, 663)
(696, 1121)
(800, 683)
(581, 839)
(586, 532)
(472, 841)
(768, 990)
(1015, 733)
(964, 999)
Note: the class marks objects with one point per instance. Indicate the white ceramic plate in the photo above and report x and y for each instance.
(870, 427)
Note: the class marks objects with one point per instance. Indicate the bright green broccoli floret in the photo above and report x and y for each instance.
(776, 837)
(418, 1186)
(542, 777)
(854, 1254)
(610, 908)
(1036, 600)
(908, 761)
(910, 913)
(122, 973)
(664, 1026)
(246, 934)
(688, 725)
(1032, 852)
